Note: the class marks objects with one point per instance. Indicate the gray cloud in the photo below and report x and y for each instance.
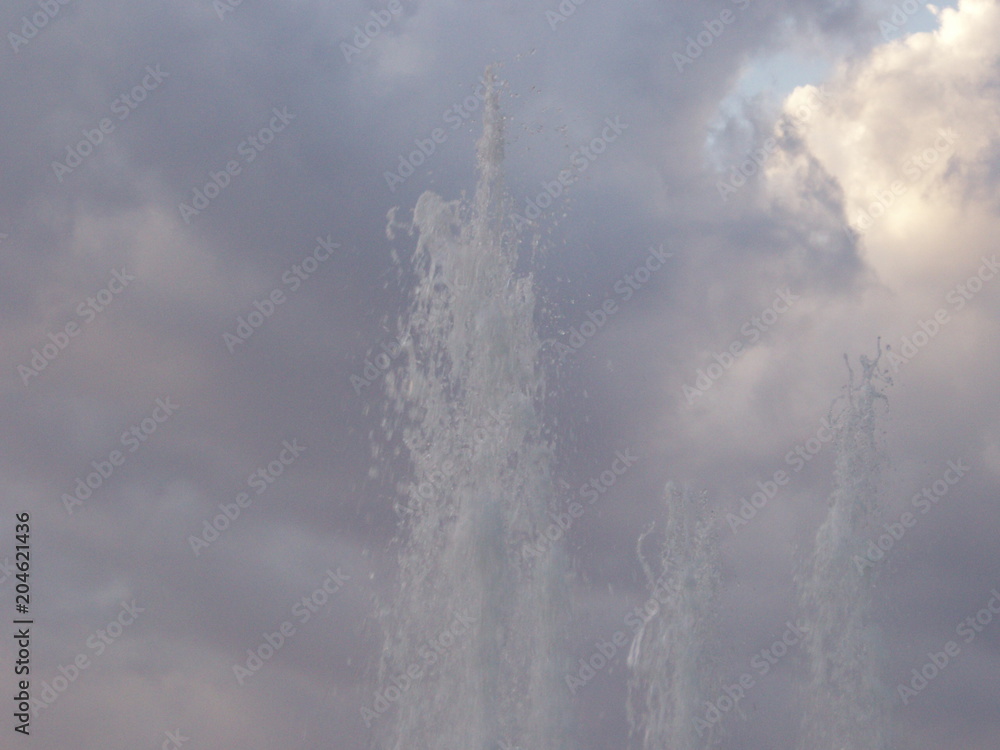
(324, 175)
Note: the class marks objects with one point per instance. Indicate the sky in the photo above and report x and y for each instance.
(197, 279)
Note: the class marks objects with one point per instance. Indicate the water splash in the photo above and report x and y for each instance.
(846, 703)
(466, 401)
(669, 662)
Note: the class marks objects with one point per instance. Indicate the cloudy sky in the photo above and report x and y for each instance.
(197, 281)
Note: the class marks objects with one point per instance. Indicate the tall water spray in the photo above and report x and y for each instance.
(846, 703)
(669, 662)
(474, 619)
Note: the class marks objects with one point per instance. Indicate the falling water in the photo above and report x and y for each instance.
(472, 659)
(477, 620)
(846, 703)
(670, 673)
